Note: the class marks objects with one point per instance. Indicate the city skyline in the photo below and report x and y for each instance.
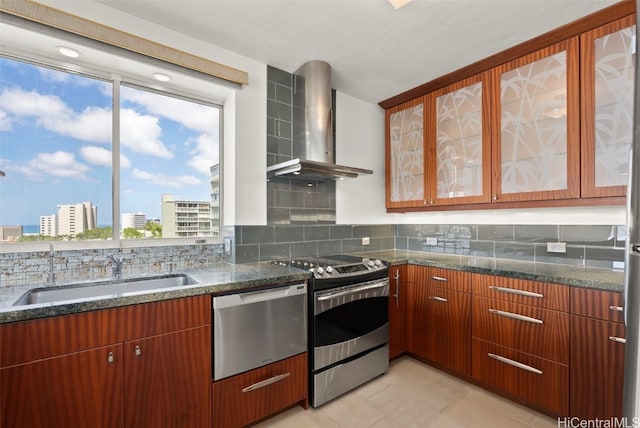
(55, 145)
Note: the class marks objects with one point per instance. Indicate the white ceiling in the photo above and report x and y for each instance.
(375, 51)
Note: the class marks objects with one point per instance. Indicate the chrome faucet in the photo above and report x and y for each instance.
(116, 269)
(51, 276)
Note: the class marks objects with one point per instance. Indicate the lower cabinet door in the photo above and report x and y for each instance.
(248, 397)
(83, 389)
(541, 382)
(597, 368)
(166, 379)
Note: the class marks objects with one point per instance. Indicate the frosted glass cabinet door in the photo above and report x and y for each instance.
(537, 136)
(405, 155)
(607, 107)
(460, 141)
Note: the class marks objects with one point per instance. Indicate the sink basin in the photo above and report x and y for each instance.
(102, 289)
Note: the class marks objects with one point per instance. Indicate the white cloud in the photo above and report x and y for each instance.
(204, 153)
(5, 121)
(141, 133)
(100, 156)
(92, 124)
(58, 164)
(166, 180)
(198, 117)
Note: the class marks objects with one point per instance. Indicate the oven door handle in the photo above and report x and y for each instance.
(329, 296)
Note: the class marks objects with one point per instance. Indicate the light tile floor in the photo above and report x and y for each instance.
(413, 394)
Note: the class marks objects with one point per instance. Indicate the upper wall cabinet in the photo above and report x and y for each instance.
(607, 73)
(458, 136)
(536, 140)
(405, 155)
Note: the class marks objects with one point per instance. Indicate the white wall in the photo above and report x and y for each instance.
(359, 140)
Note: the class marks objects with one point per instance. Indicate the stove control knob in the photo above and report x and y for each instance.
(377, 263)
(329, 270)
(319, 270)
(370, 263)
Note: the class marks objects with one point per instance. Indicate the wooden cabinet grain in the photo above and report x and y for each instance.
(397, 310)
(521, 340)
(597, 354)
(249, 397)
(440, 317)
(116, 367)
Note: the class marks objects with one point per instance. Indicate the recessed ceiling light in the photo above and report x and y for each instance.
(397, 4)
(161, 77)
(68, 52)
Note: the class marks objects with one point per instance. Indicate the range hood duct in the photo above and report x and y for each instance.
(315, 159)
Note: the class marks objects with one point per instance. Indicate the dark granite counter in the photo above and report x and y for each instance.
(577, 276)
(220, 279)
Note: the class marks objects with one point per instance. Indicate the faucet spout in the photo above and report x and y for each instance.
(116, 269)
(51, 276)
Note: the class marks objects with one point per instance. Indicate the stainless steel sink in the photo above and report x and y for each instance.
(102, 289)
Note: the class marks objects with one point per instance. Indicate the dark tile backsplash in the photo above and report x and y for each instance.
(292, 201)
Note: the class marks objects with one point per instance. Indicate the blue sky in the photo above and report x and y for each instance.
(55, 145)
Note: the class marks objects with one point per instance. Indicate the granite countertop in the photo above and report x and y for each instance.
(226, 277)
(576, 276)
(219, 279)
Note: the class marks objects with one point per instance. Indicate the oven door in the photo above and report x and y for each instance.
(349, 320)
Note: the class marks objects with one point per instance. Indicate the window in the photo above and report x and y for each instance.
(57, 150)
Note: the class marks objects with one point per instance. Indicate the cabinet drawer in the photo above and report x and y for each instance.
(248, 397)
(524, 328)
(604, 305)
(540, 382)
(49, 337)
(534, 293)
(442, 278)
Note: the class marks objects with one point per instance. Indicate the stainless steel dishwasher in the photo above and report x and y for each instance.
(256, 328)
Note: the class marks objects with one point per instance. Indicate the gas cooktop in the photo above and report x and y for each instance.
(335, 266)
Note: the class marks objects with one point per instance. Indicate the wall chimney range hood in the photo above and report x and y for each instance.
(314, 143)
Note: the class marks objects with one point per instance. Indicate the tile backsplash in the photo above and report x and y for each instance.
(595, 246)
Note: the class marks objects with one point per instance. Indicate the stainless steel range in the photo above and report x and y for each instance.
(348, 323)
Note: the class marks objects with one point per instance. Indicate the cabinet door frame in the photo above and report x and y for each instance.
(587, 109)
(431, 138)
(571, 47)
(388, 154)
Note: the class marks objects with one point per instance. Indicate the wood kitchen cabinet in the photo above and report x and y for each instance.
(439, 308)
(397, 310)
(246, 398)
(536, 130)
(459, 143)
(521, 340)
(405, 154)
(597, 354)
(115, 367)
(607, 74)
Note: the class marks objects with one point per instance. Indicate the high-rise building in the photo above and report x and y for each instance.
(48, 225)
(76, 218)
(134, 220)
(185, 219)
(10, 233)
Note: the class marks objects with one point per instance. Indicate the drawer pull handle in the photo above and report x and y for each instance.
(438, 299)
(515, 363)
(439, 278)
(110, 358)
(266, 382)
(138, 351)
(616, 308)
(617, 339)
(516, 316)
(514, 291)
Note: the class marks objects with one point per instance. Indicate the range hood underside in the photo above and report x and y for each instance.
(312, 170)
